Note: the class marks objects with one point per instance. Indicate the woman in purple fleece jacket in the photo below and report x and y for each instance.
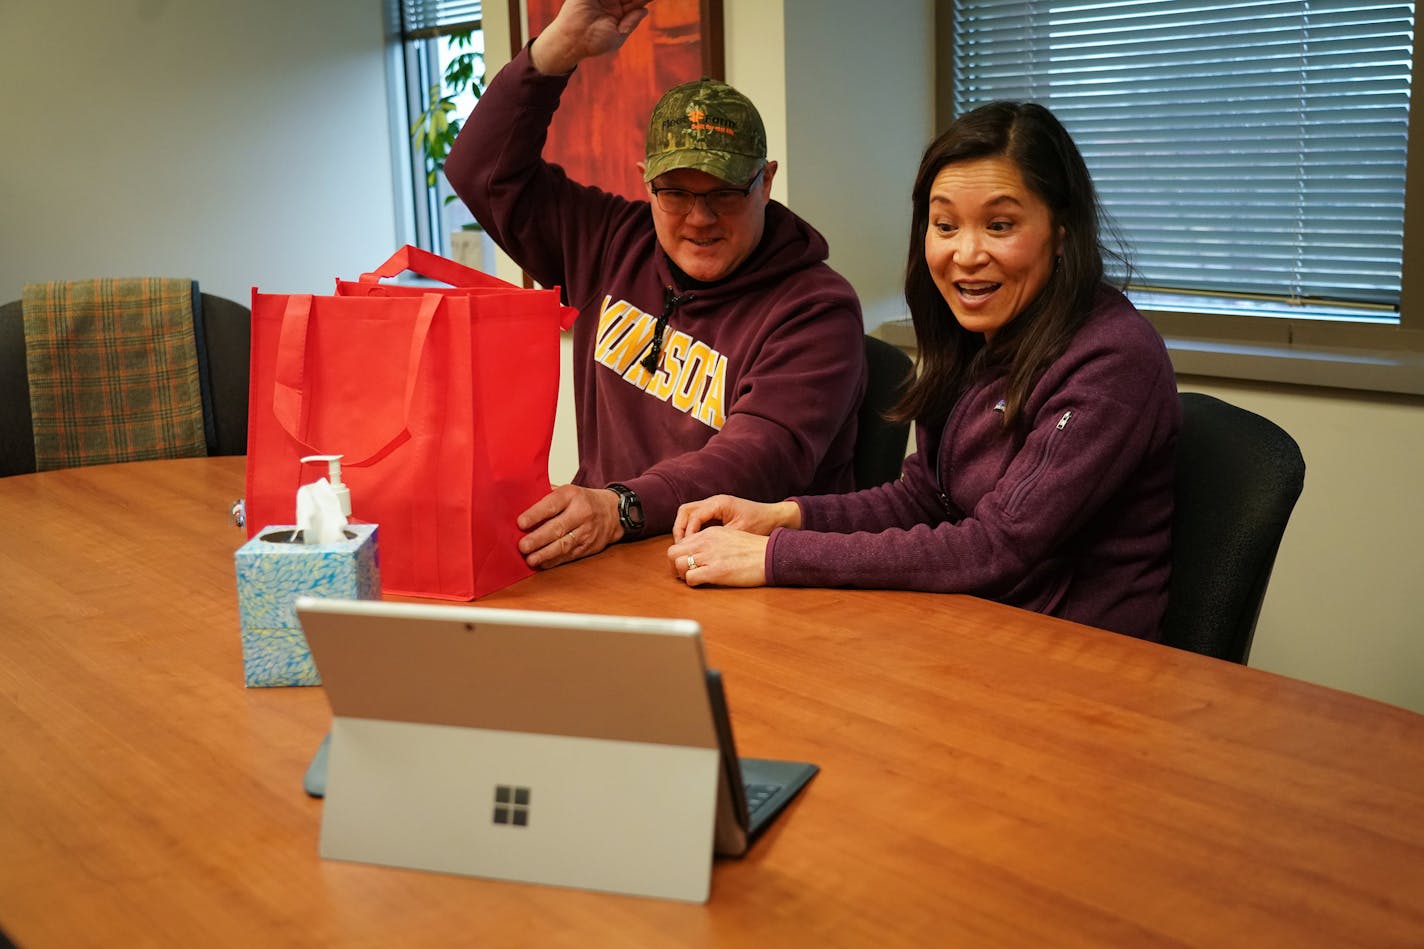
(1045, 406)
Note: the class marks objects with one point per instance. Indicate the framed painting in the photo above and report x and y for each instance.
(599, 131)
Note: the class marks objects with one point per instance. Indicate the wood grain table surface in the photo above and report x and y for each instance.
(990, 777)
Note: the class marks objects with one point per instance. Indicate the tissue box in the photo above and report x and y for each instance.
(272, 572)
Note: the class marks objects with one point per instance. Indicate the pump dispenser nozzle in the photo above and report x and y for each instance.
(333, 474)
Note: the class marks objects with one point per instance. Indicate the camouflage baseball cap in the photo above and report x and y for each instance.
(708, 126)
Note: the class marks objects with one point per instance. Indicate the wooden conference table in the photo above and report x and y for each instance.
(990, 777)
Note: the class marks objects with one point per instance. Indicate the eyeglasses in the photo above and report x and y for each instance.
(719, 201)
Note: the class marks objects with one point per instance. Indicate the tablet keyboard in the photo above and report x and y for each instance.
(759, 794)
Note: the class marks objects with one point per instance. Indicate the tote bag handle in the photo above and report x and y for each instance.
(435, 267)
(289, 402)
(426, 264)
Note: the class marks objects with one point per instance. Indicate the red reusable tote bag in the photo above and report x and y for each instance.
(440, 401)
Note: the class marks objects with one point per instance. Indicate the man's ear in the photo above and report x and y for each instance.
(642, 167)
(768, 173)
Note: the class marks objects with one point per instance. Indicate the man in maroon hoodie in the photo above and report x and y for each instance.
(715, 351)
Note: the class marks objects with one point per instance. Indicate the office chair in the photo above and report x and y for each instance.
(880, 444)
(228, 342)
(17, 433)
(227, 328)
(1238, 478)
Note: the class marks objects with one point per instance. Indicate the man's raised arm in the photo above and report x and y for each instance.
(585, 28)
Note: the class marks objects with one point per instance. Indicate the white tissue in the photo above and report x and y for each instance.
(319, 515)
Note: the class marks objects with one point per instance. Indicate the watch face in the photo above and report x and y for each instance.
(630, 509)
(632, 512)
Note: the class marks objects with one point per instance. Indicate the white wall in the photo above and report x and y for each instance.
(860, 111)
(239, 144)
(848, 101)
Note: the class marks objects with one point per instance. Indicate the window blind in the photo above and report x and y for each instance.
(421, 19)
(1242, 148)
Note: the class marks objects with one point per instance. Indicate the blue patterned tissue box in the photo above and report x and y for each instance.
(272, 572)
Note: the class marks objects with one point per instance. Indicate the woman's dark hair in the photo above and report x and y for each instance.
(949, 355)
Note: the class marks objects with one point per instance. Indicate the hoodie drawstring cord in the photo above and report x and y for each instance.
(671, 301)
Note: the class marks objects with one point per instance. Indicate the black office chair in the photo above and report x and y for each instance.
(227, 328)
(228, 341)
(1238, 478)
(17, 431)
(880, 444)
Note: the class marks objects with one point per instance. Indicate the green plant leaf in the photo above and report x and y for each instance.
(434, 131)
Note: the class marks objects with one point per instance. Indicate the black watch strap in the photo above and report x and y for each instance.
(630, 509)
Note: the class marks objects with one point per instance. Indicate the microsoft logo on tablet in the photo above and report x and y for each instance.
(511, 805)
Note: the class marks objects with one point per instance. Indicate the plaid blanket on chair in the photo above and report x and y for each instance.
(113, 368)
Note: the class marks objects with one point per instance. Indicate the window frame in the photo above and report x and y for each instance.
(414, 65)
(1290, 350)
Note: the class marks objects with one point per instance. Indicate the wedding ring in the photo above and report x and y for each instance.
(690, 562)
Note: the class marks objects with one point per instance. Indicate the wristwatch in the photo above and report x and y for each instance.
(630, 509)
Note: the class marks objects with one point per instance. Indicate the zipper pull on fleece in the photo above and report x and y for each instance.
(1064, 420)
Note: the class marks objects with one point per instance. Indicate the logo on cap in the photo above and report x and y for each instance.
(702, 123)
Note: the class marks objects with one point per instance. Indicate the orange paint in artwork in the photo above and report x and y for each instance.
(602, 123)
